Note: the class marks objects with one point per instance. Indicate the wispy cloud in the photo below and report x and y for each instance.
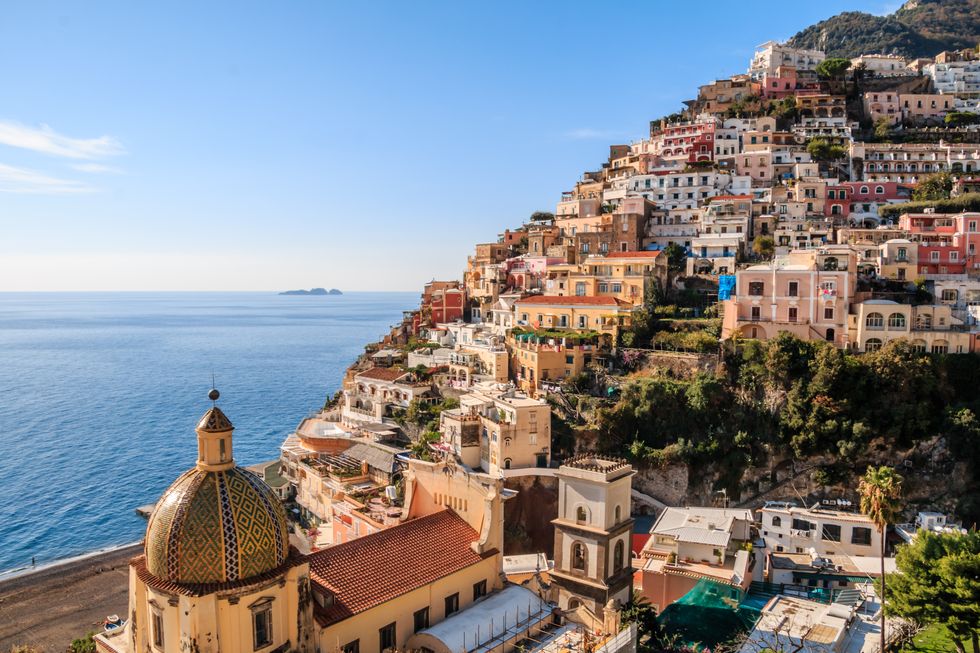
(31, 182)
(585, 134)
(96, 168)
(46, 140)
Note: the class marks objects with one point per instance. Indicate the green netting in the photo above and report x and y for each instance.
(709, 614)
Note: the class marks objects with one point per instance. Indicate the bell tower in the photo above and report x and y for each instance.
(593, 561)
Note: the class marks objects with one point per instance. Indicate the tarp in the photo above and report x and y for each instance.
(726, 286)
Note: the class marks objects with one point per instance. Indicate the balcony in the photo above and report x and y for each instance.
(797, 532)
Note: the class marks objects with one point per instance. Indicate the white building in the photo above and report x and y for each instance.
(715, 253)
(786, 527)
(956, 77)
(771, 55)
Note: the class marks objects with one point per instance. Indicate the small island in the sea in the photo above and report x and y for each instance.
(313, 291)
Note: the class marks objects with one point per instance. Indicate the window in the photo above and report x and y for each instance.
(580, 515)
(861, 536)
(421, 619)
(896, 321)
(618, 514)
(580, 289)
(777, 520)
(879, 190)
(157, 630)
(831, 533)
(828, 313)
(618, 556)
(794, 289)
(479, 590)
(578, 556)
(949, 295)
(351, 647)
(452, 604)
(581, 321)
(874, 320)
(756, 288)
(386, 637)
(756, 313)
(873, 344)
(792, 313)
(940, 347)
(262, 625)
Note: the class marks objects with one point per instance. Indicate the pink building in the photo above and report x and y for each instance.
(947, 244)
(685, 141)
(806, 293)
(863, 197)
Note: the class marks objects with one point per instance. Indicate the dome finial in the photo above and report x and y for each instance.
(214, 394)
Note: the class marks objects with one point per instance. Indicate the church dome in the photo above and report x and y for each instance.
(217, 523)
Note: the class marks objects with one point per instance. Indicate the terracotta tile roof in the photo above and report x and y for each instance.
(382, 374)
(731, 197)
(371, 570)
(568, 300)
(200, 589)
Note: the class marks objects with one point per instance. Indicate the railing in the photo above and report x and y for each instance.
(798, 532)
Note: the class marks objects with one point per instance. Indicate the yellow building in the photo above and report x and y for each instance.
(605, 315)
(929, 328)
(540, 358)
(625, 276)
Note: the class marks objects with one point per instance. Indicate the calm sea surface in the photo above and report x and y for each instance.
(100, 392)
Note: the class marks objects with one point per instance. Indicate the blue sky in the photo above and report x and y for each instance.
(366, 146)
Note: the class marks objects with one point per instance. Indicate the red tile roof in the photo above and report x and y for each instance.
(371, 570)
(568, 300)
(382, 373)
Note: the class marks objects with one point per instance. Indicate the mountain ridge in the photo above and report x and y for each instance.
(919, 28)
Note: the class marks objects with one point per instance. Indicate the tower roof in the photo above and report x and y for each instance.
(216, 525)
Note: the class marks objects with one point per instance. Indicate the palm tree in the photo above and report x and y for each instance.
(881, 489)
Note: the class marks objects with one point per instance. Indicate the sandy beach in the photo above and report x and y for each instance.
(49, 607)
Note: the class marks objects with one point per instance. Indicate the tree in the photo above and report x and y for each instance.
(675, 256)
(822, 149)
(644, 615)
(881, 490)
(937, 186)
(833, 68)
(960, 118)
(939, 583)
(764, 246)
(784, 109)
(542, 216)
(83, 644)
(883, 127)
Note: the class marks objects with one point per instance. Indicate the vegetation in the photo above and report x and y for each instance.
(426, 415)
(934, 639)
(958, 204)
(961, 119)
(644, 615)
(764, 246)
(83, 644)
(567, 334)
(822, 149)
(936, 186)
(938, 584)
(833, 68)
(883, 128)
(676, 256)
(542, 216)
(881, 490)
(920, 29)
(806, 397)
(784, 109)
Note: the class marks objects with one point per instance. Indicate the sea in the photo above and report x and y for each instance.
(100, 393)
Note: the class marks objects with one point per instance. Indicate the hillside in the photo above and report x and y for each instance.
(920, 28)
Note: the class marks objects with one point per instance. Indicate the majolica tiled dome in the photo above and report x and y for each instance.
(216, 526)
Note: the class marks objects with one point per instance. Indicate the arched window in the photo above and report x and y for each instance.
(619, 514)
(873, 344)
(874, 320)
(896, 321)
(618, 556)
(864, 190)
(919, 346)
(777, 520)
(835, 209)
(507, 463)
(879, 190)
(940, 347)
(578, 556)
(581, 515)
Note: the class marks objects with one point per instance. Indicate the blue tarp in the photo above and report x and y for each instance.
(726, 286)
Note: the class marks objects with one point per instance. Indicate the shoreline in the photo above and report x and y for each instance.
(74, 595)
(29, 570)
